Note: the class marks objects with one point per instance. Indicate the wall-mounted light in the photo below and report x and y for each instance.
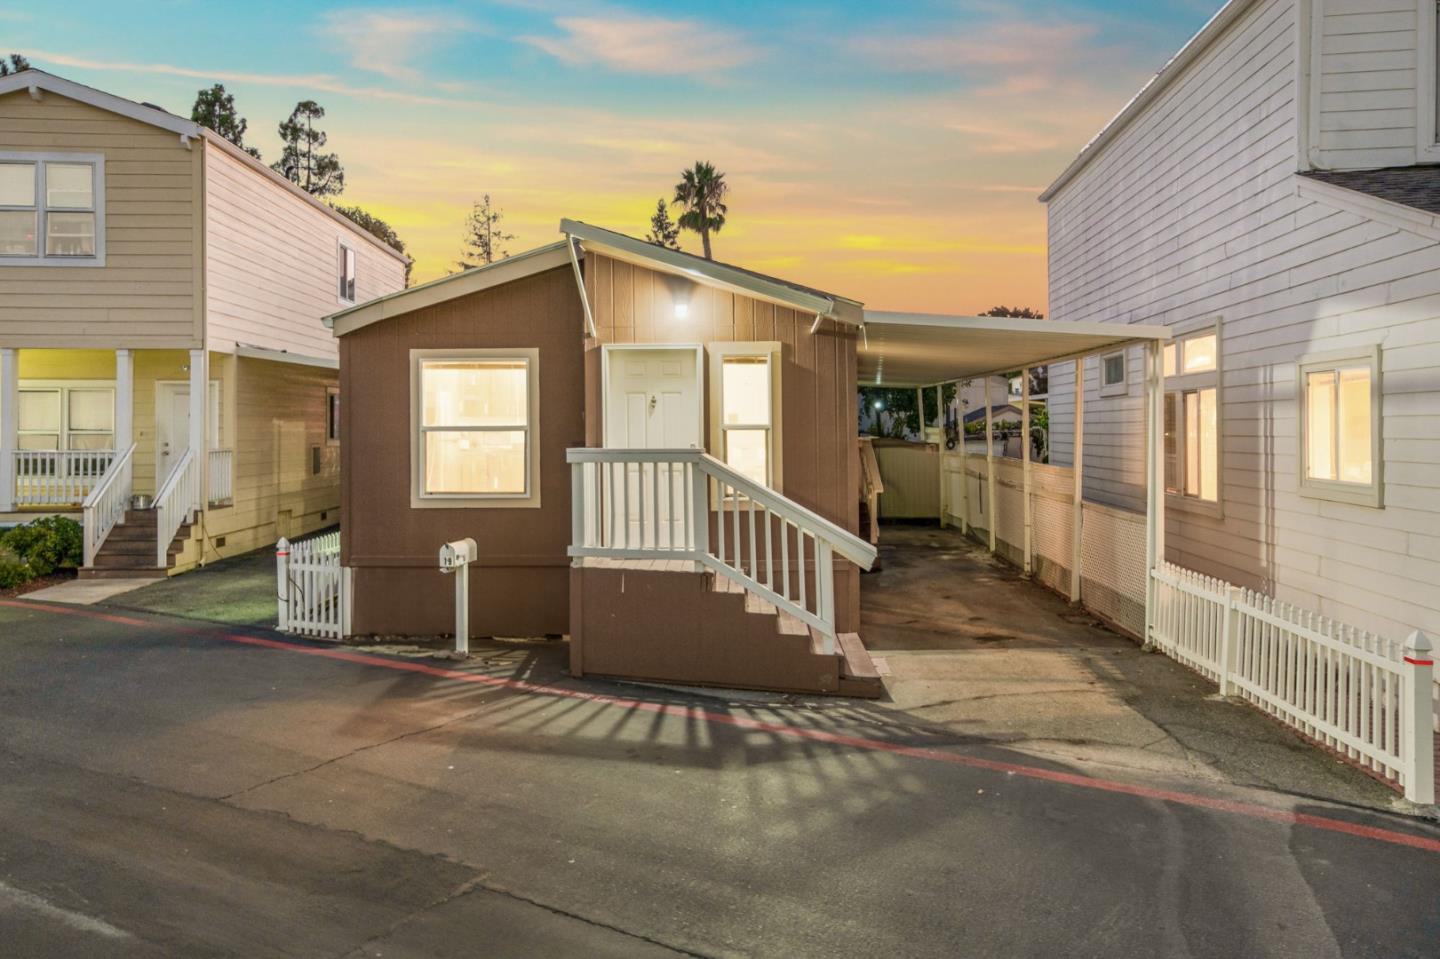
(682, 309)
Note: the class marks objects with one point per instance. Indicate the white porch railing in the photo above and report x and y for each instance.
(175, 503)
(58, 477)
(222, 476)
(1362, 695)
(313, 591)
(107, 502)
(662, 504)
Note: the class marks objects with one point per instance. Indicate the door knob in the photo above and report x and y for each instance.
(652, 402)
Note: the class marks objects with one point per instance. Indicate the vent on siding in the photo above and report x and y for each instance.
(314, 461)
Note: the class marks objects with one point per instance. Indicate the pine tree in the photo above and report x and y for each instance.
(15, 64)
(301, 161)
(663, 230)
(484, 240)
(377, 228)
(214, 108)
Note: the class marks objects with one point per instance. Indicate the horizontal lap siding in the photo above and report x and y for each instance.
(1368, 65)
(819, 411)
(146, 293)
(272, 262)
(1191, 213)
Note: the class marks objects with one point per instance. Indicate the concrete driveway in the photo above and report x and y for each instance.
(179, 788)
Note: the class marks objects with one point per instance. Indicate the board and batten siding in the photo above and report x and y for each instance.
(1191, 213)
(819, 412)
(146, 296)
(272, 262)
(1365, 62)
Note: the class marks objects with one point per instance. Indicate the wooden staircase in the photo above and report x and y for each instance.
(129, 551)
(664, 621)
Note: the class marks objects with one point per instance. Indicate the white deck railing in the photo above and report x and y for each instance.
(314, 595)
(222, 476)
(176, 503)
(107, 502)
(58, 477)
(663, 504)
(1362, 695)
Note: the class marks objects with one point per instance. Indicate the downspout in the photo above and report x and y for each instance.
(580, 285)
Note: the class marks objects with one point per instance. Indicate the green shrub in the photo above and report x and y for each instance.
(13, 570)
(47, 544)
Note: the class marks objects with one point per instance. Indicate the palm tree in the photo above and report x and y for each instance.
(701, 194)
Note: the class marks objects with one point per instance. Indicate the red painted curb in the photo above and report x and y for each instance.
(1234, 807)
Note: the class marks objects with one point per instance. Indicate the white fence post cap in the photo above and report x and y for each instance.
(283, 543)
(1417, 642)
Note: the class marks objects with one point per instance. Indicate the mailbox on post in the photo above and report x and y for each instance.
(456, 557)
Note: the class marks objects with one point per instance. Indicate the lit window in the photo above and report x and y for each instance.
(476, 419)
(1191, 367)
(56, 199)
(1112, 374)
(1167, 363)
(1340, 427)
(1199, 356)
(347, 274)
(745, 397)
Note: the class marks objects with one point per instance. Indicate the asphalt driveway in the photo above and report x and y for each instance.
(178, 788)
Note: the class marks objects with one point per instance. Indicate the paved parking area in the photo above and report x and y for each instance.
(171, 787)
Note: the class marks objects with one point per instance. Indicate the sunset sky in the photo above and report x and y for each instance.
(890, 152)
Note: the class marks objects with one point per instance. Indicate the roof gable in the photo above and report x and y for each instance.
(36, 81)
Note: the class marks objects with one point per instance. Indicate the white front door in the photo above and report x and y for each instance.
(172, 427)
(653, 401)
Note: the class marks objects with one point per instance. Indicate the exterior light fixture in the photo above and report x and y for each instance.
(682, 309)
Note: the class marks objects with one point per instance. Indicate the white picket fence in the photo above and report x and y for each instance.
(1367, 697)
(314, 593)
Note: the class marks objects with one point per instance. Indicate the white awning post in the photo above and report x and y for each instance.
(1077, 502)
(920, 410)
(1025, 464)
(1154, 496)
(124, 400)
(990, 465)
(199, 418)
(9, 423)
(964, 470)
(940, 427)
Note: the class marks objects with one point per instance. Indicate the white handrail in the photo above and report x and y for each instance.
(177, 499)
(107, 502)
(648, 503)
(57, 477)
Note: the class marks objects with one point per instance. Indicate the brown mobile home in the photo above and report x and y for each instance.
(472, 389)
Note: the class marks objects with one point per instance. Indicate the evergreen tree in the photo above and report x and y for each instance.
(15, 64)
(663, 230)
(301, 161)
(214, 108)
(484, 240)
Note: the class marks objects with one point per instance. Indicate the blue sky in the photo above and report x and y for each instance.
(889, 152)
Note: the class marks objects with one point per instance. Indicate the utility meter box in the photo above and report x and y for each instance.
(462, 552)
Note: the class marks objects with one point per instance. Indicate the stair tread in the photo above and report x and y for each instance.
(857, 663)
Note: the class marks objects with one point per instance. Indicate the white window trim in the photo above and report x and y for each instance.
(332, 392)
(97, 160)
(341, 248)
(719, 352)
(1427, 146)
(530, 499)
(63, 387)
(1120, 388)
(1373, 493)
(1181, 383)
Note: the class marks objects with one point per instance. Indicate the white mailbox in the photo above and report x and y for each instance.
(462, 552)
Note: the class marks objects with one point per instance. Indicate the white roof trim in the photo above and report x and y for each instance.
(922, 349)
(33, 79)
(631, 250)
(451, 287)
(1150, 91)
(1374, 208)
(284, 356)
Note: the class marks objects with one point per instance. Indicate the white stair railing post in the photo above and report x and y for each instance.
(577, 508)
(282, 577)
(1417, 732)
(1229, 637)
(700, 505)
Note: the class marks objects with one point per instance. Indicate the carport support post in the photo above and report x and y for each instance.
(990, 465)
(940, 428)
(1025, 463)
(920, 410)
(1077, 501)
(1154, 495)
(964, 470)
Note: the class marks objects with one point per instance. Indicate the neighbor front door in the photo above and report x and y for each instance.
(172, 427)
(653, 402)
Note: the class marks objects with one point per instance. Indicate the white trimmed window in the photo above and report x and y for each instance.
(1191, 367)
(346, 269)
(745, 393)
(1113, 374)
(52, 209)
(1340, 426)
(475, 428)
(63, 417)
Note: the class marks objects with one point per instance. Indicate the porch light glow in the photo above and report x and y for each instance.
(682, 309)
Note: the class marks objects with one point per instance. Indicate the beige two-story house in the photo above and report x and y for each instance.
(164, 373)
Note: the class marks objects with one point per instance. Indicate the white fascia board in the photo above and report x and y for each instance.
(711, 273)
(284, 356)
(1006, 324)
(450, 287)
(1374, 208)
(40, 80)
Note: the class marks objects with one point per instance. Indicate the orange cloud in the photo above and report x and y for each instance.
(651, 45)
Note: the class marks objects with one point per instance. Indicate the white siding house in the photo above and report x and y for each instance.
(1228, 199)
